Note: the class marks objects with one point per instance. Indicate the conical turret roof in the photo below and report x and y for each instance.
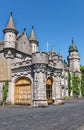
(10, 25)
(73, 47)
(32, 35)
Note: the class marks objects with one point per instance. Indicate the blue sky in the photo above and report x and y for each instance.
(55, 21)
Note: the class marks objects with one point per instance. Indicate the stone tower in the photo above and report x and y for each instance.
(33, 41)
(74, 63)
(74, 58)
(39, 65)
(10, 33)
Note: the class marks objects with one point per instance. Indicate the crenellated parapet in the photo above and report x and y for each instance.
(23, 63)
(23, 68)
(40, 58)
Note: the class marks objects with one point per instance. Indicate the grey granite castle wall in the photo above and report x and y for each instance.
(39, 62)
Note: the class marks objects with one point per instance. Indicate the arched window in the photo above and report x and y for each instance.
(49, 90)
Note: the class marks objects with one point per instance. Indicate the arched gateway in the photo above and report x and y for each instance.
(22, 92)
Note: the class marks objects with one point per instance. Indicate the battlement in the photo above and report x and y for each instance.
(40, 57)
(21, 64)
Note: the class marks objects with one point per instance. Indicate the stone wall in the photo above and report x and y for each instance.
(3, 69)
(23, 45)
(39, 85)
(40, 58)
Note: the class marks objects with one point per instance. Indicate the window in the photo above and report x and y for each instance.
(49, 89)
(49, 92)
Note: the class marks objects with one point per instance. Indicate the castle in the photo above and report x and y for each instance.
(35, 78)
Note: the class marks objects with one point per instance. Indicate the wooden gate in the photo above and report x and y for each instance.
(22, 94)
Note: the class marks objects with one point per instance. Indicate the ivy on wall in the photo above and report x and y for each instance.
(5, 91)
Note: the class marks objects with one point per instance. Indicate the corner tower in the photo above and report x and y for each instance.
(33, 41)
(74, 58)
(10, 33)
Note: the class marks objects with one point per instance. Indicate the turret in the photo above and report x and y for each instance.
(39, 69)
(33, 41)
(60, 56)
(40, 58)
(10, 33)
(74, 58)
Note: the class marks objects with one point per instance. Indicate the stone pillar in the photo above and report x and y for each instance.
(10, 97)
(39, 86)
(9, 57)
(1, 90)
(58, 89)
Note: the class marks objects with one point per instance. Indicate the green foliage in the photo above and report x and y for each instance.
(1, 103)
(75, 85)
(5, 91)
(69, 83)
(82, 69)
(82, 80)
(69, 98)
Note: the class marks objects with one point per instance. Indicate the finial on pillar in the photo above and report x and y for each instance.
(24, 29)
(32, 27)
(72, 40)
(11, 13)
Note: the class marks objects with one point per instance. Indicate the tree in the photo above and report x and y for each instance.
(75, 85)
(82, 80)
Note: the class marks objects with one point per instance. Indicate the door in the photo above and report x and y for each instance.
(22, 94)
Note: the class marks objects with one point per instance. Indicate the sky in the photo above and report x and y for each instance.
(55, 22)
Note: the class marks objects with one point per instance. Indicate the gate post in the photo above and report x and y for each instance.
(58, 89)
(39, 67)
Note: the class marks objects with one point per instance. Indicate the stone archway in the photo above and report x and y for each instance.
(49, 91)
(22, 91)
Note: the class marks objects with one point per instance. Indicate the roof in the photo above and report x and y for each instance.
(10, 25)
(32, 35)
(73, 47)
(20, 35)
